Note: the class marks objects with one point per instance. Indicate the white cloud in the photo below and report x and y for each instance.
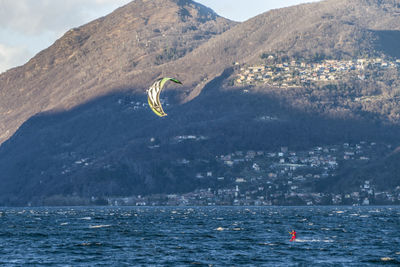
(36, 16)
(12, 56)
(28, 26)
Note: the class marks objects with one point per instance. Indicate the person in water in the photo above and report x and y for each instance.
(293, 233)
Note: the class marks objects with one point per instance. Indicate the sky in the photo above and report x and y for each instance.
(29, 26)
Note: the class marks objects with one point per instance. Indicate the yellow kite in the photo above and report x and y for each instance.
(153, 95)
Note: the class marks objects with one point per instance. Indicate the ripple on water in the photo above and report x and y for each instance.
(99, 226)
(221, 236)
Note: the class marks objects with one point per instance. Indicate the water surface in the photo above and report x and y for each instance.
(204, 236)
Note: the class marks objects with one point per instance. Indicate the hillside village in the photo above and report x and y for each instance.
(300, 73)
(282, 177)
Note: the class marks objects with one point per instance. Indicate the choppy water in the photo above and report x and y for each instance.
(204, 236)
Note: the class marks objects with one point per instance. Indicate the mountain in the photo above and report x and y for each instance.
(125, 50)
(137, 43)
(341, 30)
(75, 122)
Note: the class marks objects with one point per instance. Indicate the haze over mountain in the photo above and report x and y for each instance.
(81, 100)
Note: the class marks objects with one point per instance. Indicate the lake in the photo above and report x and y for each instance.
(200, 236)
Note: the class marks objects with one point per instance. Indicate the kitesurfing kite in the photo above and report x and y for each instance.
(153, 95)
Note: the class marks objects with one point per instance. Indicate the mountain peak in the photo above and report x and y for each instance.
(169, 11)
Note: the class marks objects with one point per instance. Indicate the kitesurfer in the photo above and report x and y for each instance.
(293, 233)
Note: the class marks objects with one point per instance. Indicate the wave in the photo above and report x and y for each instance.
(99, 226)
(314, 240)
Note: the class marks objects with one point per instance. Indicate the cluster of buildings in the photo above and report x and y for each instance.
(133, 105)
(264, 196)
(295, 73)
(282, 177)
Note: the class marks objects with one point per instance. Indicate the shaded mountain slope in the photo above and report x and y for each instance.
(107, 147)
(384, 174)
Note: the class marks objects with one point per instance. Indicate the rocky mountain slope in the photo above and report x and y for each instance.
(124, 50)
(85, 129)
(145, 39)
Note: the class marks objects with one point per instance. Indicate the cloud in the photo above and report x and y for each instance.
(28, 26)
(36, 16)
(12, 56)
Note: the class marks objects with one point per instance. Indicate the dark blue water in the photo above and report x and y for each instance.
(204, 236)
